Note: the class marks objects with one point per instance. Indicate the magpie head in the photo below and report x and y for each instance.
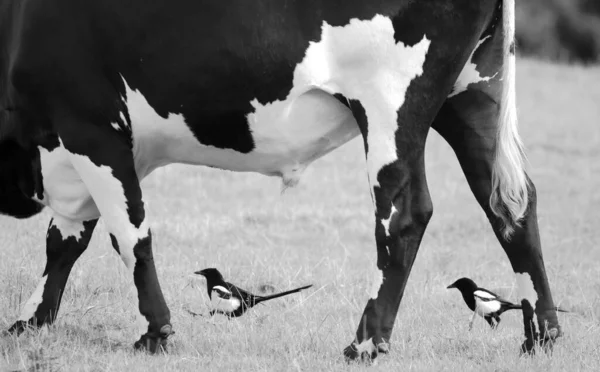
(210, 274)
(465, 285)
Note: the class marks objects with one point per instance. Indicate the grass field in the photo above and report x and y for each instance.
(322, 233)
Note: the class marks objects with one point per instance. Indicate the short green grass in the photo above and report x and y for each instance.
(322, 233)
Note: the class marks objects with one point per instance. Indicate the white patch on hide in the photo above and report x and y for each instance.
(363, 62)
(386, 222)
(526, 290)
(109, 195)
(469, 74)
(64, 191)
(366, 346)
(68, 228)
(34, 301)
(377, 283)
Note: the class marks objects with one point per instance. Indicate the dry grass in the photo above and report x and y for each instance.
(321, 233)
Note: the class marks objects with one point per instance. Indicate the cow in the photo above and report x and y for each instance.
(95, 95)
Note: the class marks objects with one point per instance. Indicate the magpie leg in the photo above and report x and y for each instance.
(497, 318)
(468, 122)
(472, 320)
(66, 240)
(103, 158)
(193, 313)
(490, 321)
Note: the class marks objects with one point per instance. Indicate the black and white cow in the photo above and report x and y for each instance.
(95, 95)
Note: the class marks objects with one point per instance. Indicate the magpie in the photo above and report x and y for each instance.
(231, 301)
(485, 303)
(482, 302)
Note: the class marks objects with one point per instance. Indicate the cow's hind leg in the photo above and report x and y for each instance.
(66, 240)
(479, 122)
(403, 210)
(103, 158)
(468, 122)
(395, 144)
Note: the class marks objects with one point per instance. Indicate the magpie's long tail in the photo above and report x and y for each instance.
(260, 299)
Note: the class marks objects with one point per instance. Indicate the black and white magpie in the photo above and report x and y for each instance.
(482, 302)
(229, 300)
(485, 303)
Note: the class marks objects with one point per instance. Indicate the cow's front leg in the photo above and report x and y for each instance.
(66, 240)
(103, 158)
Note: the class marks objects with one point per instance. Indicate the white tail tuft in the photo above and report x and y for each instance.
(510, 196)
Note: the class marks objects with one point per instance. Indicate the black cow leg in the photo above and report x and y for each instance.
(103, 158)
(65, 241)
(403, 211)
(403, 208)
(468, 123)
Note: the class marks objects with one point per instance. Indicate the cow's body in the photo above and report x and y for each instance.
(96, 95)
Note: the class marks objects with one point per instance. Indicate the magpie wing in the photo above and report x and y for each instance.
(222, 292)
(245, 296)
(485, 295)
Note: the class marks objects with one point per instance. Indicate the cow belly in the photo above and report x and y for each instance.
(288, 136)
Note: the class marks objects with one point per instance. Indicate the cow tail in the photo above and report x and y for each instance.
(509, 196)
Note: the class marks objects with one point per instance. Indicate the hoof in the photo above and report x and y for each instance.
(551, 335)
(527, 348)
(352, 354)
(16, 329)
(546, 343)
(154, 343)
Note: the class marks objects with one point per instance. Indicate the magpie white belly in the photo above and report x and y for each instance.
(486, 307)
(226, 305)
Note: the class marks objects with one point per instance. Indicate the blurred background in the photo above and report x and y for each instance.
(559, 30)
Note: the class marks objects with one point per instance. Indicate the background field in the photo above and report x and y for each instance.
(561, 30)
(321, 233)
